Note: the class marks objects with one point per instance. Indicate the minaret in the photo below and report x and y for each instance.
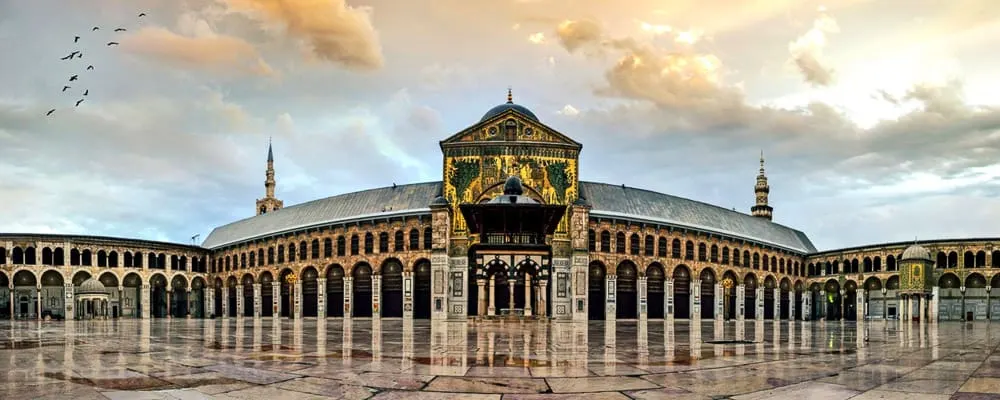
(269, 202)
(761, 189)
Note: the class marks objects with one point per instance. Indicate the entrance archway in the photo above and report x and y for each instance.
(247, 283)
(784, 299)
(131, 300)
(334, 291)
(625, 299)
(310, 292)
(595, 292)
(750, 294)
(25, 297)
(422, 290)
(158, 295)
(178, 297)
(729, 283)
(286, 293)
(392, 289)
(217, 306)
(266, 294)
(682, 292)
(655, 284)
(197, 300)
(769, 285)
(707, 293)
(5, 305)
(231, 295)
(851, 301)
(832, 300)
(361, 290)
(53, 295)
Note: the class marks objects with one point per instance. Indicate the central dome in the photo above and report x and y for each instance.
(509, 105)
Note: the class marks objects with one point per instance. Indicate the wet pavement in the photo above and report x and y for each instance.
(309, 359)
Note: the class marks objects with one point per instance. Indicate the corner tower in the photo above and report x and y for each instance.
(761, 209)
(269, 202)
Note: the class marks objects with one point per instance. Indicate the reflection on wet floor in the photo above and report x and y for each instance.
(390, 358)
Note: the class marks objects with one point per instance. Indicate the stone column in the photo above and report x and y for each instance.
(924, 305)
(668, 298)
(239, 300)
(643, 316)
(321, 298)
(806, 305)
(610, 300)
(187, 303)
(822, 305)
(38, 302)
(408, 297)
(843, 304)
(527, 295)
(777, 304)
(719, 310)
(210, 302)
(791, 305)
(275, 299)
(578, 286)
(376, 296)
(257, 300)
(348, 290)
(695, 290)
(934, 312)
(860, 301)
(457, 286)
(543, 308)
(759, 293)
(492, 308)
(740, 304)
(297, 298)
(68, 301)
(144, 298)
(481, 286)
(439, 286)
(225, 301)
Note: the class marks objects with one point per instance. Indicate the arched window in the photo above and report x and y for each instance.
(689, 250)
(714, 254)
(746, 258)
(606, 241)
(253, 259)
(675, 249)
(428, 238)
(260, 257)
(355, 245)
(620, 243)
(661, 247)
(725, 255)
(414, 239)
(702, 256)
(383, 242)
(634, 244)
(315, 248)
(342, 245)
(648, 248)
(291, 252)
(281, 253)
(303, 251)
(756, 261)
(736, 257)
(243, 261)
(228, 261)
(767, 263)
(270, 255)
(591, 240)
(398, 242)
(327, 247)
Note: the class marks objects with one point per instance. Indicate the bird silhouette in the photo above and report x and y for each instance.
(86, 92)
(120, 30)
(142, 14)
(90, 68)
(67, 57)
(66, 87)
(72, 78)
(79, 55)
(78, 103)
(95, 28)
(112, 43)
(76, 39)
(50, 112)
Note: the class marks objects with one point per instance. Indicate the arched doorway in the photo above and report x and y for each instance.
(392, 289)
(595, 292)
(682, 292)
(832, 300)
(891, 291)
(851, 301)
(422, 290)
(769, 285)
(361, 290)
(131, 300)
(655, 285)
(626, 301)
(25, 298)
(799, 288)
(526, 279)
(158, 296)
(729, 283)
(975, 297)
(286, 293)
(197, 300)
(310, 292)
(247, 282)
(178, 298)
(784, 301)
(110, 282)
(5, 305)
(707, 293)
(750, 294)
(497, 273)
(874, 300)
(217, 306)
(231, 295)
(994, 305)
(334, 291)
(949, 297)
(266, 294)
(53, 297)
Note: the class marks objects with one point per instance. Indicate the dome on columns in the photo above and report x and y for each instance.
(91, 286)
(916, 252)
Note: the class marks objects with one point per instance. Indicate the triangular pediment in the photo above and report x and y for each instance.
(510, 126)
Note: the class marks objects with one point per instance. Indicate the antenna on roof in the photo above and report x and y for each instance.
(394, 185)
(195, 238)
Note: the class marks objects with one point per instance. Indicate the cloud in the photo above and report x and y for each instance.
(332, 30)
(569, 111)
(807, 52)
(216, 53)
(575, 34)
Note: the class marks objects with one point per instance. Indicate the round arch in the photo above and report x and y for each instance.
(361, 275)
(655, 286)
(334, 274)
(391, 290)
(596, 292)
(682, 291)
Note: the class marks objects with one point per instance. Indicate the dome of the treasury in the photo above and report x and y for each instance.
(91, 286)
(916, 252)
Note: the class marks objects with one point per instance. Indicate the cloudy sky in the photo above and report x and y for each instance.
(879, 119)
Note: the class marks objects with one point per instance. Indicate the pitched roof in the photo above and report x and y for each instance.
(394, 200)
(626, 202)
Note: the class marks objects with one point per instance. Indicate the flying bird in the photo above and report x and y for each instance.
(50, 112)
(66, 87)
(76, 39)
(95, 28)
(79, 55)
(142, 15)
(90, 68)
(67, 57)
(86, 92)
(78, 103)
(72, 78)
(120, 30)
(112, 43)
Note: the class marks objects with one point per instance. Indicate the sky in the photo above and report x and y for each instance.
(879, 119)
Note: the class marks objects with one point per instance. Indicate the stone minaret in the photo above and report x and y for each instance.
(269, 202)
(761, 189)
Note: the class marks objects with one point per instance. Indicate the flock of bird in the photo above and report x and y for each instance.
(77, 54)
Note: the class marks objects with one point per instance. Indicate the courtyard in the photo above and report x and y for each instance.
(357, 359)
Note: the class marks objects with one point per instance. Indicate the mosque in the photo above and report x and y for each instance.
(510, 232)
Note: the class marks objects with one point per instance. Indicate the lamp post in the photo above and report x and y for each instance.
(290, 279)
(727, 284)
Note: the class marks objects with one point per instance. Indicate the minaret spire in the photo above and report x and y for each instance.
(269, 203)
(761, 209)
(510, 96)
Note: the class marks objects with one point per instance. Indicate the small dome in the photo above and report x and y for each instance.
(513, 186)
(916, 252)
(440, 200)
(91, 286)
(508, 106)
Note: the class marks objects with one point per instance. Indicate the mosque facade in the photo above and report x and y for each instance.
(596, 251)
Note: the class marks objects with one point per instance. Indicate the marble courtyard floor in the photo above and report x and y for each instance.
(307, 359)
